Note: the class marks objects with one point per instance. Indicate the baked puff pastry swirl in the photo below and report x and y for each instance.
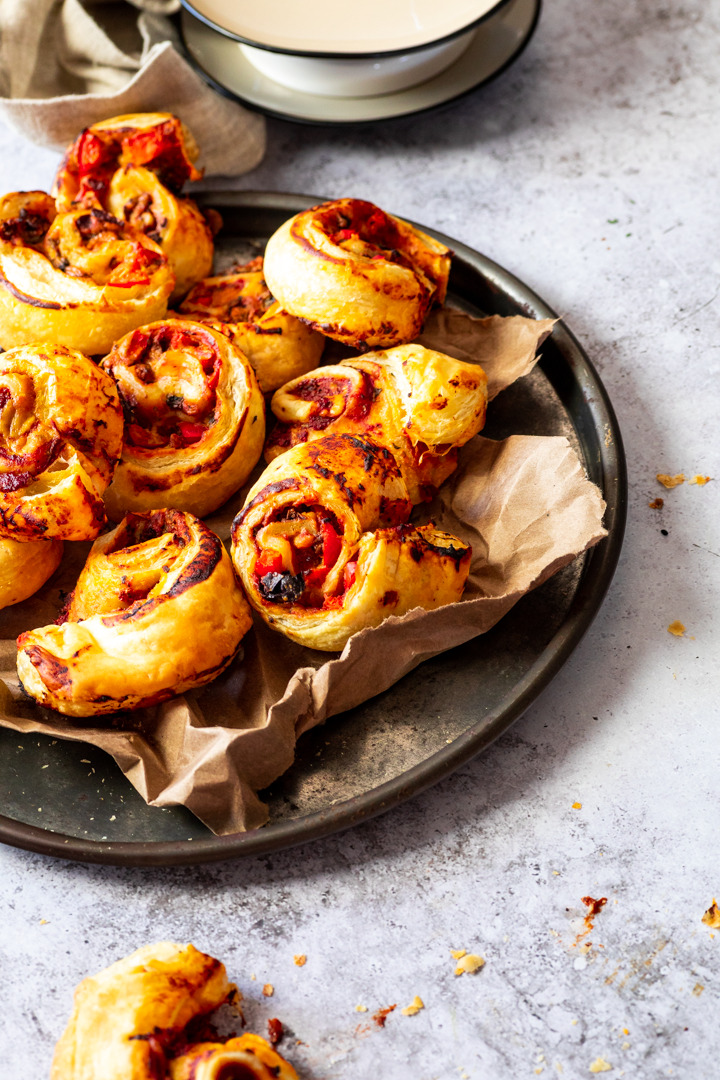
(278, 345)
(158, 142)
(60, 437)
(323, 550)
(419, 403)
(194, 418)
(128, 1019)
(134, 166)
(77, 278)
(357, 274)
(156, 611)
(248, 1057)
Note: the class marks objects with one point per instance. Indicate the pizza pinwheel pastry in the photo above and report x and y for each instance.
(357, 274)
(76, 278)
(128, 1019)
(323, 548)
(158, 142)
(134, 167)
(156, 611)
(194, 418)
(419, 403)
(25, 567)
(60, 437)
(278, 346)
(248, 1057)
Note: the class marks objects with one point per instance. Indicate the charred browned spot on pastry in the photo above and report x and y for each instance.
(33, 301)
(51, 670)
(457, 554)
(278, 485)
(390, 597)
(321, 471)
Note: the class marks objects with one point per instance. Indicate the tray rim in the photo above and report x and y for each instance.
(587, 599)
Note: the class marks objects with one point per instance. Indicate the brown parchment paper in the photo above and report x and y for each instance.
(525, 506)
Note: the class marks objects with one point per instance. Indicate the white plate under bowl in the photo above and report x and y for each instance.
(342, 27)
(497, 42)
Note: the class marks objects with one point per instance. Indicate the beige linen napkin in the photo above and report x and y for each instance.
(65, 64)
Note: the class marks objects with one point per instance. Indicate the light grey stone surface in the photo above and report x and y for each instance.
(590, 169)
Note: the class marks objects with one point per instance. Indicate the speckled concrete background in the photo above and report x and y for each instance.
(590, 169)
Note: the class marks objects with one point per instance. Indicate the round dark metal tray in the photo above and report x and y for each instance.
(71, 800)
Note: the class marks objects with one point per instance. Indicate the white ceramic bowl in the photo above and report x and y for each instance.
(341, 29)
(357, 77)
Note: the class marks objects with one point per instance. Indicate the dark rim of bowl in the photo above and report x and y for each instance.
(330, 55)
(223, 90)
(592, 587)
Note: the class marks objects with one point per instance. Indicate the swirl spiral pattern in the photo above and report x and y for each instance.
(323, 548)
(357, 274)
(156, 611)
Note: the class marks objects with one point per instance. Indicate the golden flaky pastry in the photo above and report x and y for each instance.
(357, 274)
(60, 437)
(323, 548)
(139, 199)
(158, 142)
(278, 345)
(248, 1057)
(77, 278)
(25, 566)
(135, 166)
(421, 404)
(128, 1019)
(156, 611)
(194, 418)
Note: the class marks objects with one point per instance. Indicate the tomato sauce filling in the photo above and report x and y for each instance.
(240, 296)
(167, 379)
(97, 154)
(298, 560)
(366, 231)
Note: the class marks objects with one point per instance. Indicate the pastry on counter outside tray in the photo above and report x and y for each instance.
(134, 1021)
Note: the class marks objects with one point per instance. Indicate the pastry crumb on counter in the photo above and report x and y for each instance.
(712, 915)
(361, 1008)
(676, 628)
(300, 960)
(469, 963)
(656, 504)
(414, 1007)
(268, 990)
(600, 1065)
(670, 481)
(701, 481)
(697, 989)
(457, 954)
(577, 806)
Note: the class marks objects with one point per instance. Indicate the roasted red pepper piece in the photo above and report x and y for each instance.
(331, 545)
(268, 564)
